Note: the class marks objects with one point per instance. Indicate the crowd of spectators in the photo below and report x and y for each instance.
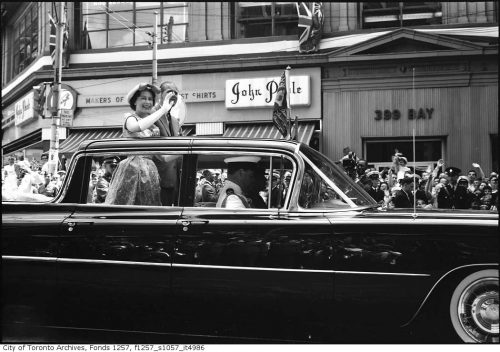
(30, 180)
(398, 186)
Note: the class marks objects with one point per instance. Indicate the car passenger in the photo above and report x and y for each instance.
(136, 179)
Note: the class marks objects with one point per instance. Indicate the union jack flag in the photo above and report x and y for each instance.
(310, 26)
(53, 43)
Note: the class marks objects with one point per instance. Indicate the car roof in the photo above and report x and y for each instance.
(186, 142)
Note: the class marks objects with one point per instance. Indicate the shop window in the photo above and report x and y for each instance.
(400, 14)
(25, 48)
(262, 19)
(427, 152)
(122, 24)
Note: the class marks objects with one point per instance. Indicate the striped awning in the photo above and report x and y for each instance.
(70, 144)
(268, 131)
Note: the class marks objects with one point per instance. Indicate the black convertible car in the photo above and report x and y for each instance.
(321, 262)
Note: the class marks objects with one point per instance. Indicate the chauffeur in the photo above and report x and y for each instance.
(243, 182)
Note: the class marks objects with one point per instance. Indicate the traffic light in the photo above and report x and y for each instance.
(41, 92)
(39, 99)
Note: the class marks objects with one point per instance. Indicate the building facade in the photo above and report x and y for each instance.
(383, 73)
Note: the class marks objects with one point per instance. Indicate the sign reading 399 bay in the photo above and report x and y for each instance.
(261, 92)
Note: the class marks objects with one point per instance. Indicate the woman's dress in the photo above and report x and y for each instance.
(136, 180)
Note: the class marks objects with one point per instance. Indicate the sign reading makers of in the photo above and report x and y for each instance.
(189, 96)
(261, 92)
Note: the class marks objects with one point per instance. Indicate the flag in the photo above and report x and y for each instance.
(53, 40)
(280, 119)
(310, 22)
(53, 43)
(65, 49)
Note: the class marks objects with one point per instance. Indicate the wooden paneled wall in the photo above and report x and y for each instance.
(465, 115)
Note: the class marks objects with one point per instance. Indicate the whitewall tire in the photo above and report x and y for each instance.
(474, 307)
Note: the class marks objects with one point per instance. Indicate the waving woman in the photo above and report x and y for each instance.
(136, 180)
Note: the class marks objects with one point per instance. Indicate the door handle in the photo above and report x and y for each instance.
(72, 224)
(186, 223)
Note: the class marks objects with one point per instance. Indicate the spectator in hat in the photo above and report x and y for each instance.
(136, 179)
(101, 188)
(462, 196)
(244, 181)
(404, 197)
(361, 168)
(374, 189)
(453, 173)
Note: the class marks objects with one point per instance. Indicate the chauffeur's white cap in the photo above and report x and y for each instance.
(242, 159)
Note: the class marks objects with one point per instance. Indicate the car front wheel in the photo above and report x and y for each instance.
(474, 307)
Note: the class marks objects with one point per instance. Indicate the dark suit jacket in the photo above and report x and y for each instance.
(376, 194)
(403, 200)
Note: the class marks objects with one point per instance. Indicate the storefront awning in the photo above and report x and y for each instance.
(70, 144)
(268, 131)
(23, 142)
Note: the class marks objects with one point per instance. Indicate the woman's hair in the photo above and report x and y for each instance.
(136, 95)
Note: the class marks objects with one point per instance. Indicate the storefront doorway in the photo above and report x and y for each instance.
(428, 151)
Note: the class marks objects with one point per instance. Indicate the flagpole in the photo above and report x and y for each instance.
(154, 81)
(54, 137)
(288, 104)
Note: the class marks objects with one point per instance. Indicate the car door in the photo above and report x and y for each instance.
(30, 245)
(115, 260)
(262, 273)
(375, 256)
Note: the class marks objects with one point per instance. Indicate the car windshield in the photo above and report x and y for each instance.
(346, 185)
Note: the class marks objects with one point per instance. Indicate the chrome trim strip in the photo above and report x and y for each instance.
(28, 258)
(100, 261)
(292, 270)
(178, 265)
(438, 281)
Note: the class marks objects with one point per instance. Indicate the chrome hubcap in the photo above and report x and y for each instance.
(478, 310)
